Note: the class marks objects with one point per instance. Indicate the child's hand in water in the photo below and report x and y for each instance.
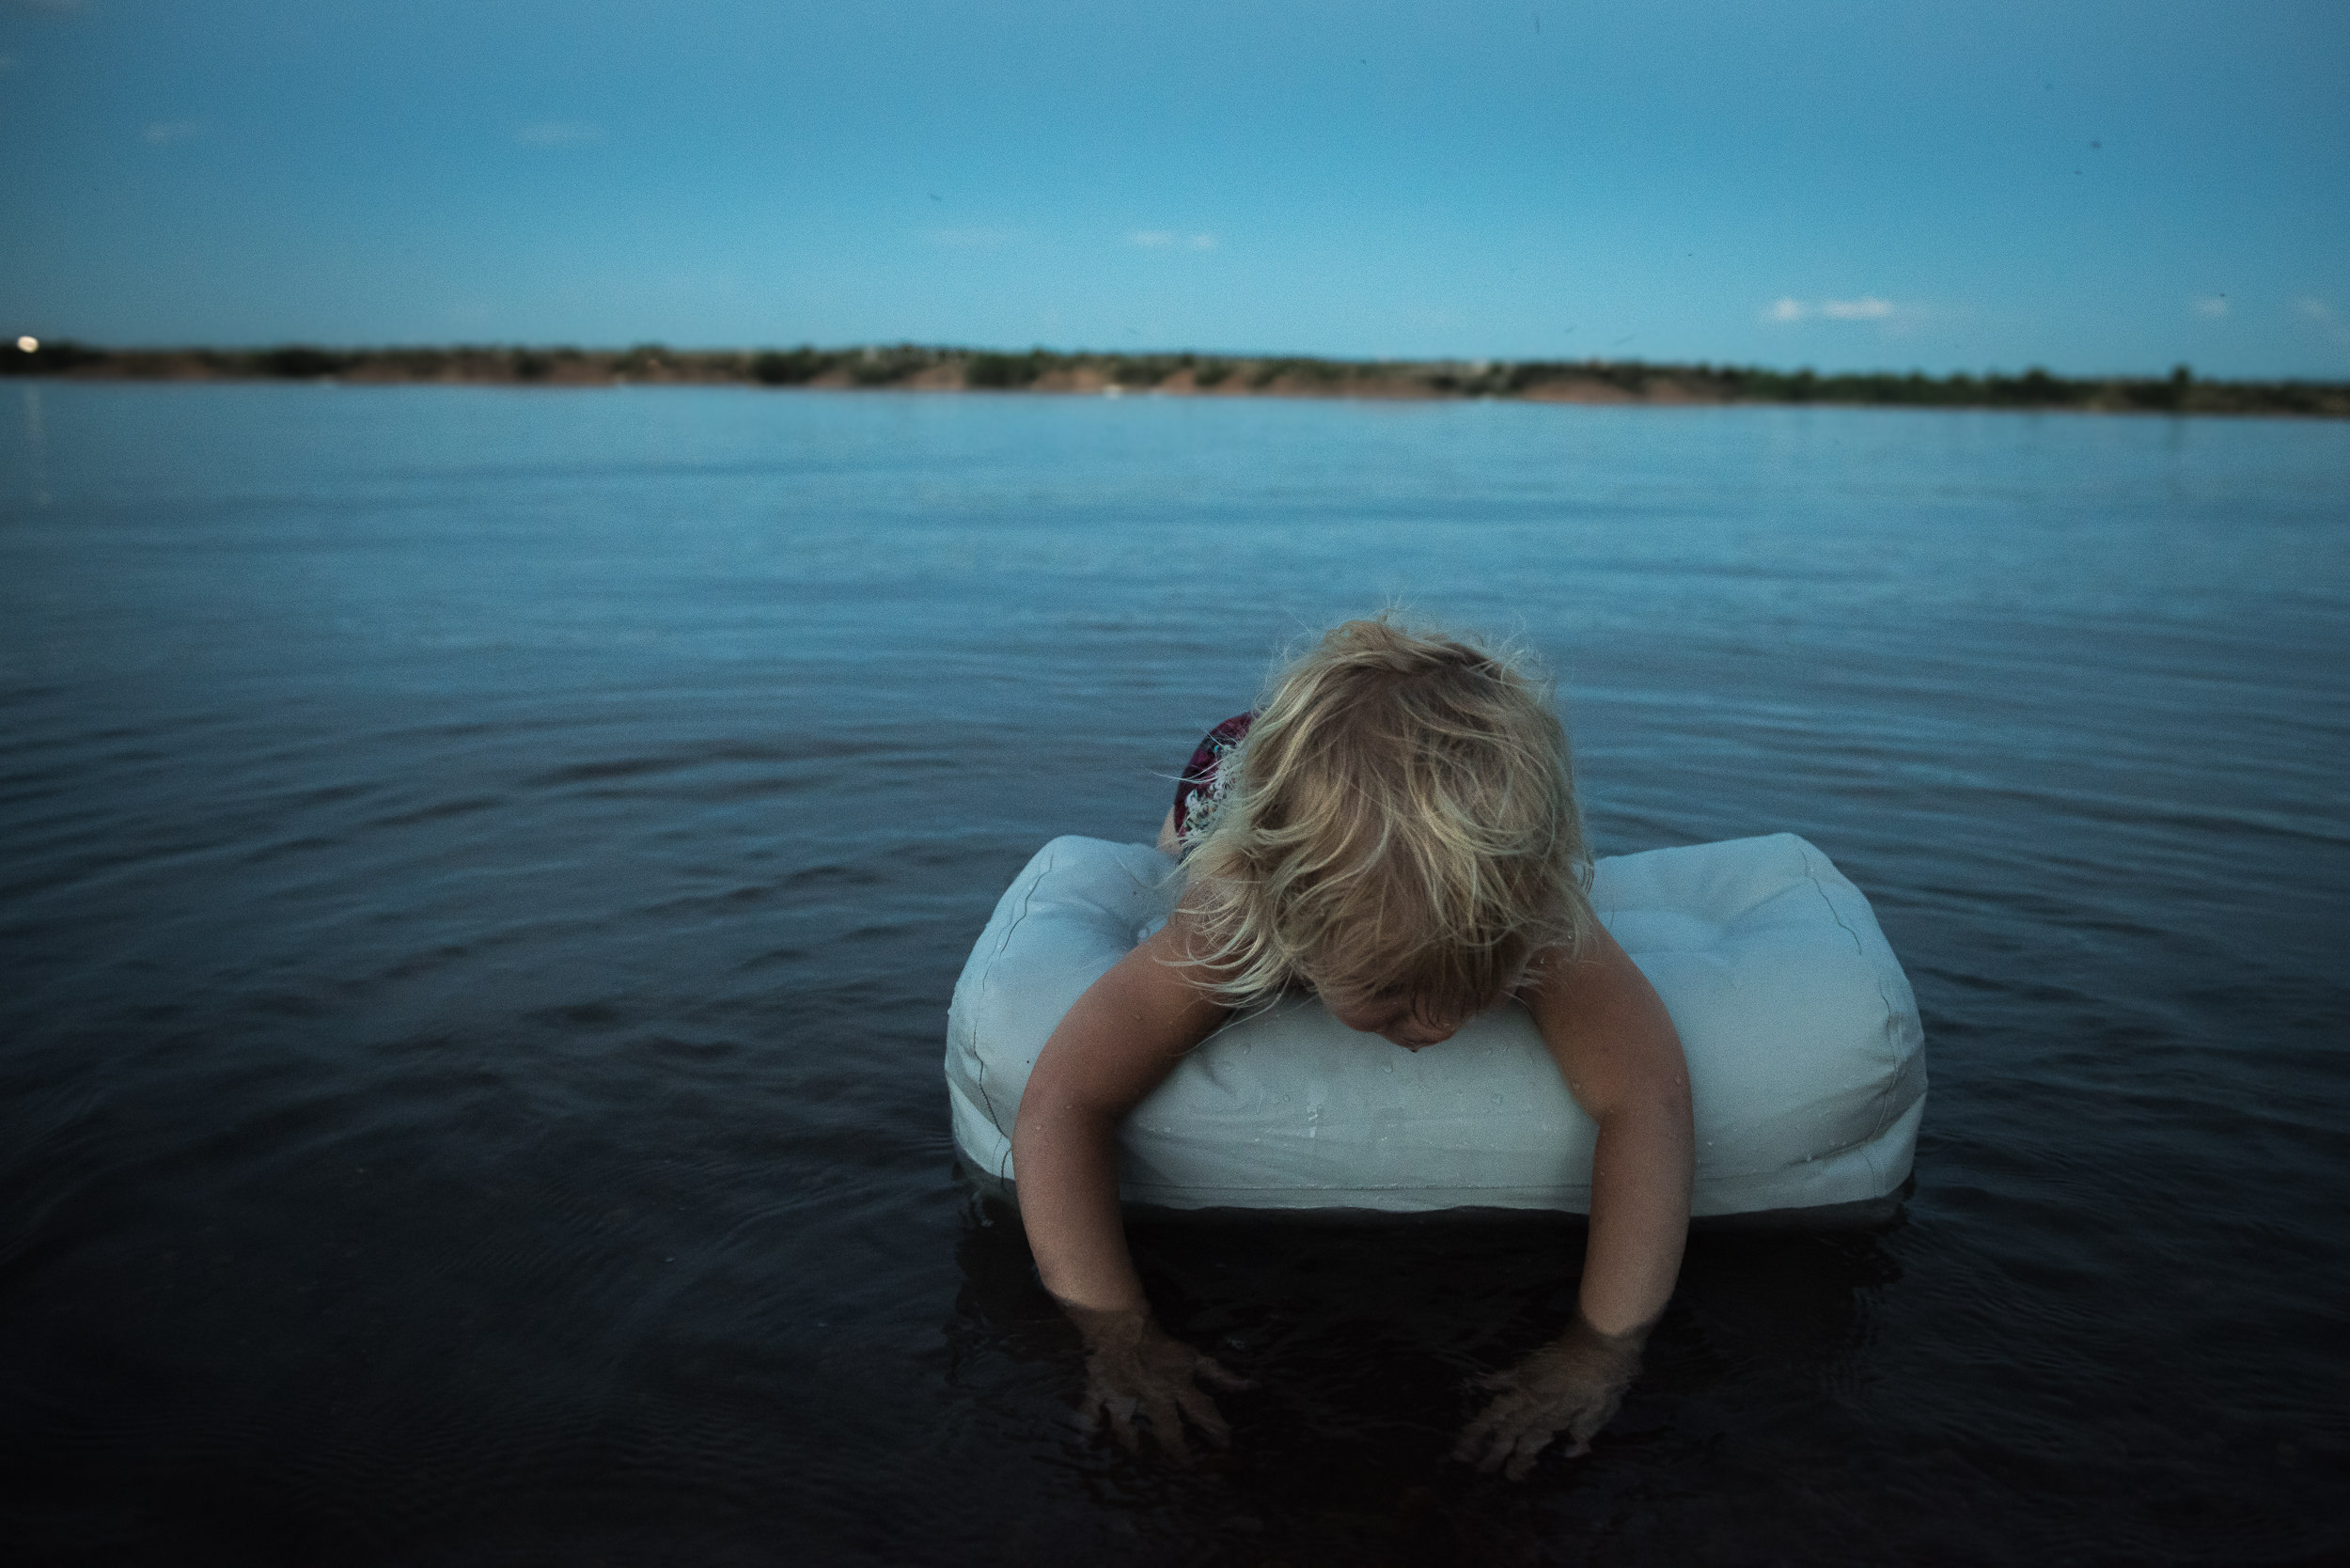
(1571, 1385)
(1132, 1365)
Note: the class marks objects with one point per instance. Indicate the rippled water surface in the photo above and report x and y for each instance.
(484, 872)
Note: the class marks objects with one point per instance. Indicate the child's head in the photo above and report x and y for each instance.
(1398, 832)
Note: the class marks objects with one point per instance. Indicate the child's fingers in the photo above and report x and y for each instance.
(1511, 1432)
(1215, 1372)
(1530, 1446)
(1589, 1419)
(1116, 1409)
(1168, 1427)
(1478, 1433)
(1505, 1439)
(1205, 1416)
(1121, 1414)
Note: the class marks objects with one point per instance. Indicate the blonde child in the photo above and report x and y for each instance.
(1394, 829)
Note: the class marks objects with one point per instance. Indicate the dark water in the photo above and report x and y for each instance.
(484, 872)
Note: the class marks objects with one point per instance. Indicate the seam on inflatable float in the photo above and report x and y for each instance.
(1809, 849)
(1866, 1148)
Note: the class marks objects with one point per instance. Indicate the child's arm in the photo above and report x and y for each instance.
(1122, 1037)
(1615, 1043)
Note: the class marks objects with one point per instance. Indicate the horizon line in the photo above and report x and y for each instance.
(1472, 363)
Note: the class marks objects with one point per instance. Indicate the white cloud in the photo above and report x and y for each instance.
(972, 239)
(2213, 306)
(559, 132)
(2328, 321)
(1167, 239)
(163, 133)
(1868, 307)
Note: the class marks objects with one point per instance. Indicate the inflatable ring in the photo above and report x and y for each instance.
(1807, 1065)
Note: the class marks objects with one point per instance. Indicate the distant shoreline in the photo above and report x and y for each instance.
(913, 368)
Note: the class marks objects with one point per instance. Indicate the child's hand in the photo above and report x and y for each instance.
(1571, 1385)
(1132, 1365)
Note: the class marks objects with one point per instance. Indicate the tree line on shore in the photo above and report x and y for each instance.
(910, 366)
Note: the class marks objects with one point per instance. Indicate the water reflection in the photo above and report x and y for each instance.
(1363, 1337)
(35, 447)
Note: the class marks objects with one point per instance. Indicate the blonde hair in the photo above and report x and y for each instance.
(1399, 820)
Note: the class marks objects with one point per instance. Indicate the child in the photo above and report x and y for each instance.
(1394, 829)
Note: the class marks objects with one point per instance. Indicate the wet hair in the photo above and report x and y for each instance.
(1399, 821)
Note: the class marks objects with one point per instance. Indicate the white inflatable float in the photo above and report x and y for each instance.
(1805, 1061)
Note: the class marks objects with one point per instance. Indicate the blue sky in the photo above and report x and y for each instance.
(2093, 187)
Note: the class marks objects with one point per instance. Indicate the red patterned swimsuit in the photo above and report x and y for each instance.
(1200, 793)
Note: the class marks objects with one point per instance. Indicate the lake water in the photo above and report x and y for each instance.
(484, 872)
